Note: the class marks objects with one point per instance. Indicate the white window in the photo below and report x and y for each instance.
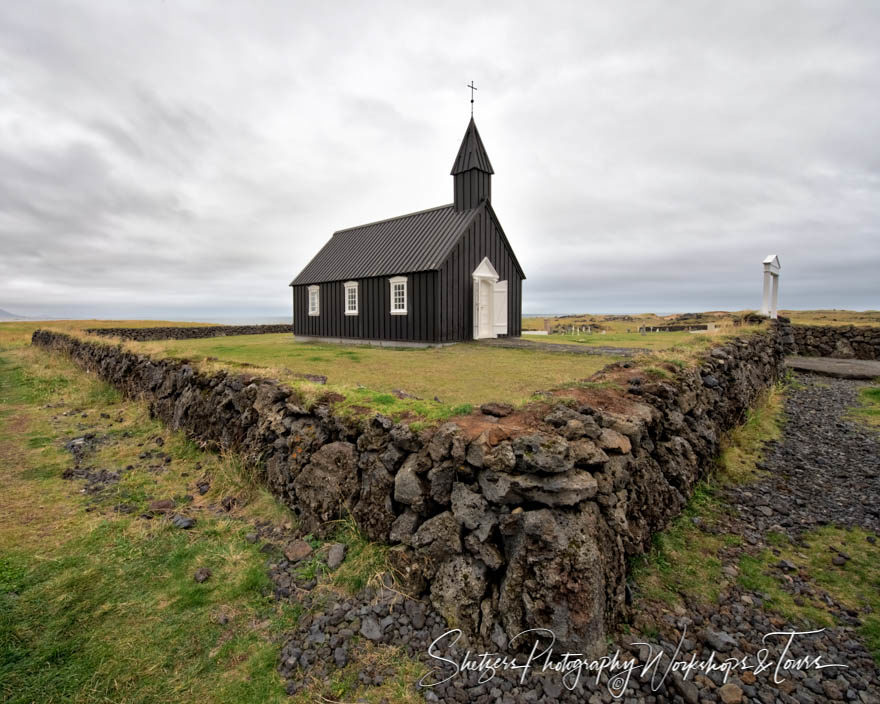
(314, 300)
(351, 297)
(398, 295)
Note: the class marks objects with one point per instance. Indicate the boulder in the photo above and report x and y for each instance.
(457, 590)
(565, 489)
(328, 486)
(565, 571)
(374, 512)
(541, 452)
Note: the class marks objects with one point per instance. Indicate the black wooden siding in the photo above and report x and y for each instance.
(472, 188)
(374, 320)
(482, 238)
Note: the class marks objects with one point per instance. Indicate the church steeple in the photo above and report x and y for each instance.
(472, 171)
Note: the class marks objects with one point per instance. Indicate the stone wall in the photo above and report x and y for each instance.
(182, 333)
(506, 519)
(843, 342)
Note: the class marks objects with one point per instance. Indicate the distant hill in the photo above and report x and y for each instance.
(6, 315)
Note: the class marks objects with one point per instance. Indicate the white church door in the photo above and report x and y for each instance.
(490, 302)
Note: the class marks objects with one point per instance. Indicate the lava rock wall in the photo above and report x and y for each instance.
(173, 333)
(505, 519)
(842, 342)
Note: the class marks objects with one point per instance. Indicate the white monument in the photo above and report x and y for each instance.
(771, 299)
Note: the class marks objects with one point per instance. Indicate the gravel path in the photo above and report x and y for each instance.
(824, 470)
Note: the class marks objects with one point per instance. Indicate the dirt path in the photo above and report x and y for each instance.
(562, 347)
(841, 368)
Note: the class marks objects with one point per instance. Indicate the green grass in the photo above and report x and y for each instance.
(868, 409)
(461, 376)
(855, 585)
(685, 559)
(98, 606)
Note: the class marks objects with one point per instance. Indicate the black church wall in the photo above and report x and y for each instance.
(482, 239)
(374, 320)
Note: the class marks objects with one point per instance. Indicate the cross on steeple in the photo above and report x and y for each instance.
(473, 88)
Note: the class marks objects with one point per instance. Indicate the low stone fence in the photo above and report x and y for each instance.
(842, 342)
(506, 519)
(173, 333)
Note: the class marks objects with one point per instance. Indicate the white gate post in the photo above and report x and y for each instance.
(771, 288)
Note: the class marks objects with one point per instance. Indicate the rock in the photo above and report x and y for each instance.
(540, 452)
(440, 480)
(564, 571)
(251, 538)
(838, 561)
(457, 590)
(440, 445)
(484, 551)
(202, 575)
(730, 694)
(340, 657)
(335, 555)
(501, 458)
(327, 487)
(719, 641)
(404, 527)
(613, 441)
(374, 511)
(558, 490)
(843, 350)
(687, 689)
(370, 629)
(472, 511)
(161, 505)
(409, 487)
(297, 550)
(499, 410)
(710, 382)
(438, 538)
(183, 522)
(585, 453)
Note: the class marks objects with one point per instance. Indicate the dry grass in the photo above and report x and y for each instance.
(832, 317)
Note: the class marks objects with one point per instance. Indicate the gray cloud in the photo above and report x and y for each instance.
(187, 159)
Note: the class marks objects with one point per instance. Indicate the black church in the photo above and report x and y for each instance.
(436, 276)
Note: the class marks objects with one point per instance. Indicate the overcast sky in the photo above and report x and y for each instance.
(187, 159)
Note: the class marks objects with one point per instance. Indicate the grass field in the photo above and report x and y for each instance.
(98, 604)
(461, 376)
(649, 341)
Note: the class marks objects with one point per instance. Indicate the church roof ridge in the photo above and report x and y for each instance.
(391, 219)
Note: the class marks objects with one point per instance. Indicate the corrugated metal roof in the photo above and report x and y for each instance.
(471, 154)
(414, 242)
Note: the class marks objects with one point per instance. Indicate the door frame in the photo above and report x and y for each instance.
(484, 277)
